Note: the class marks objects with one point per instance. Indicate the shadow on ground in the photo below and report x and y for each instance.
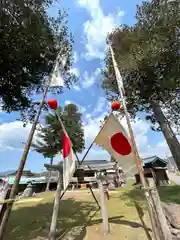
(32, 223)
(27, 223)
(168, 194)
(135, 197)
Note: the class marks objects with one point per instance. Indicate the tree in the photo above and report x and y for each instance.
(29, 44)
(50, 136)
(148, 58)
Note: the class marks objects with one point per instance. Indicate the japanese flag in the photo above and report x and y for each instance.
(114, 139)
(69, 160)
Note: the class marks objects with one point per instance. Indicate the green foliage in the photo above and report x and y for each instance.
(148, 58)
(29, 44)
(50, 136)
(113, 159)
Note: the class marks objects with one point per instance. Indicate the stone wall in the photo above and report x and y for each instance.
(172, 213)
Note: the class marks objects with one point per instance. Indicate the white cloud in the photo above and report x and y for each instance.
(77, 88)
(75, 71)
(161, 149)
(89, 80)
(98, 27)
(81, 108)
(67, 102)
(100, 106)
(13, 135)
(75, 57)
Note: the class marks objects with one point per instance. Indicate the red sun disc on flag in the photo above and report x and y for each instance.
(66, 146)
(120, 144)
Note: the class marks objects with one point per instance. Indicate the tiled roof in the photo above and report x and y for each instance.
(94, 162)
(26, 180)
(90, 162)
(152, 159)
(87, 164)
(7, 173)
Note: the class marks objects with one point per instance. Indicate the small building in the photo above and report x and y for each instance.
(85, 174)
(38, 182)
(155, 167)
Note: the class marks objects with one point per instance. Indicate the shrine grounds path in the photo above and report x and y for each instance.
(79, 218)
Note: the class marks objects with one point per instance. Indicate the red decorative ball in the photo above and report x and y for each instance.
(115, 105)
(52, 103)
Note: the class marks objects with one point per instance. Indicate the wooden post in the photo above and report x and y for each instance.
(52, 232)
(165, 233)
(49, 177)
(48, 181)
(4, 194)
(103, 204)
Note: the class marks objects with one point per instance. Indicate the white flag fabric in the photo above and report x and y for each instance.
(69, 161)
(114, 139)
(116, 69)
(56, 78)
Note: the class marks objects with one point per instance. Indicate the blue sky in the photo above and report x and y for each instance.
(89, 22)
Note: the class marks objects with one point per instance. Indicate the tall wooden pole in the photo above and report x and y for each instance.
(25, 154)
(52, 233)
(134, 146)
(20, 168)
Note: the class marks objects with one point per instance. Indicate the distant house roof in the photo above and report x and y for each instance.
(7, 173)
(94, 162)
(26, 173)
(90, 162)
(87, 165)
(26, 180)
(152, 160)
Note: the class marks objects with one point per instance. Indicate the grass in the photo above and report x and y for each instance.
(80, 219)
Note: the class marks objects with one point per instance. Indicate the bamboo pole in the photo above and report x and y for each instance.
(134, 148)
(52, 232)
(24, 156)
(20, 168)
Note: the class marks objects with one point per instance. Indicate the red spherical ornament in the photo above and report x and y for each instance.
(52, 103)
(115, 105)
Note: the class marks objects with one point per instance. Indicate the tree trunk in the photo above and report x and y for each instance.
(170, 137)
(49, 177)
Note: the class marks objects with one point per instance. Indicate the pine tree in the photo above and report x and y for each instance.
(50, 136)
